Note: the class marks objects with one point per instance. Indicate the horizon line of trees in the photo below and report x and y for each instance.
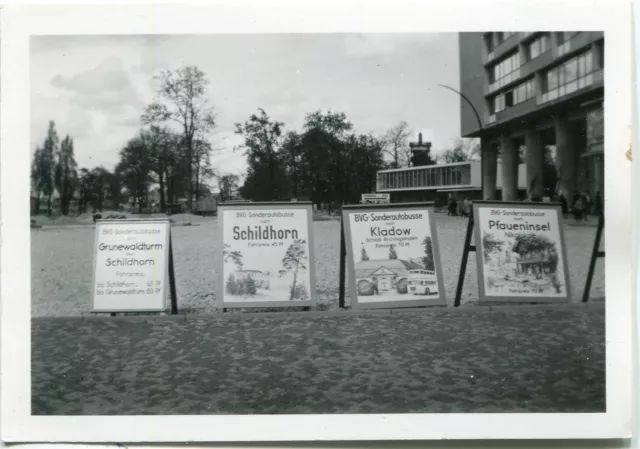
(325, 162)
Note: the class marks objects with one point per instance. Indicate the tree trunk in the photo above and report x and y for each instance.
(293, 286)
(161, 179)
(49, 206)
(190, 173)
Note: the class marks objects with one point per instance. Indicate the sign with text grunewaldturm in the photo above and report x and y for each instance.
(131, 265)
(392, 256)
(521, 252)
(266, 255)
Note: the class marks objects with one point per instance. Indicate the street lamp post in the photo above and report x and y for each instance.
(479, 127)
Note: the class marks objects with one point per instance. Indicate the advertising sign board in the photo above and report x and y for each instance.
(520, 250)
(267, 255)
(392, 256)
(131, 265)
(375, 198)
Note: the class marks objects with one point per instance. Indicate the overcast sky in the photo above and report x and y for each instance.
(95, 88)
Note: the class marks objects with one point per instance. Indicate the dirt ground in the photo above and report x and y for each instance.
(61, 265)
(468, 360)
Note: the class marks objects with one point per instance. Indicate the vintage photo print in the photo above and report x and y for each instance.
(306, 222)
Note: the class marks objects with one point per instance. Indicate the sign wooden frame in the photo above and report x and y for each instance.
(346, 250)
(168, 269)
(266, 206)
(489, 299)
(595, 255)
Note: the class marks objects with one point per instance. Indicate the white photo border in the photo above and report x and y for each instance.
(20, 22)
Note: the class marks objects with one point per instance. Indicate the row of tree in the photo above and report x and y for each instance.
(326, 162)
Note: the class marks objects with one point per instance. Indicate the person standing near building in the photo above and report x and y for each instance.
(579, 206)
(466, 207)
(563, 205)
(587, 205)
(598, 204)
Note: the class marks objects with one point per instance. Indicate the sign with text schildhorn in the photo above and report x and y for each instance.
(521, 254)
(131, 265)
(266, 255)
(392, 256)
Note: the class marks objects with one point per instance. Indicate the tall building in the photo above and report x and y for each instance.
(535, 90)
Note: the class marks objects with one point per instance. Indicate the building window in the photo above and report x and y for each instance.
(537, 47)
(505, 71)
(521, 92)
(488, 42)
(570, 76)
(564, 36)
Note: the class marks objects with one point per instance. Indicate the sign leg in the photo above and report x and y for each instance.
(463, 265)
(594, 256)
(343, 256)
(172, 280)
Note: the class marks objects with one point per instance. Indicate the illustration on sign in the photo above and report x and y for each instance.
(522, 252)
(266, 255)
(130, 266)
(393, 256)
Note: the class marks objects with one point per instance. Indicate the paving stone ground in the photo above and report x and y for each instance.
(518, 359)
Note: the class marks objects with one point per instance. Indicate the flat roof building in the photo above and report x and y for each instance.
(437, 182)
(535, 89)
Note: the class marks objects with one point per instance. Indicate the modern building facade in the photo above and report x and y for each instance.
(535, 89)
(436, 182)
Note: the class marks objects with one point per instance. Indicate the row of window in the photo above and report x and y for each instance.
(538, 46)
(567, 89)
(504, 68)
(569, 71)
(522, 92)
(492, 40)
(427, 177)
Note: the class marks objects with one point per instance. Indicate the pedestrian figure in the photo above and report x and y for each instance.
(587, 205)
(466, 207)
(375, 286)
(578, 206)
(598, 204)
(563, 205)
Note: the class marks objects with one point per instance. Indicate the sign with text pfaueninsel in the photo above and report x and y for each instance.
(131, 265)
(266, 255)
(520, 252)
(392, 256)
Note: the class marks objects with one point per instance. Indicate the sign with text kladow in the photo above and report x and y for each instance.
(131, 265)
(266, 257)
(392, 256)
(521, 252)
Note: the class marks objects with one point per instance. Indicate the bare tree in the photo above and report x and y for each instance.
(396, 144)
(462, 151)
(183, 100)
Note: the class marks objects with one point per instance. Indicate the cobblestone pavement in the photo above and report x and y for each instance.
(62, 263)
(517, 359)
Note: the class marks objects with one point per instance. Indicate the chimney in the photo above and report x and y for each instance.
(420, 139)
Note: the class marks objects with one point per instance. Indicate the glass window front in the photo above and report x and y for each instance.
(568, 77)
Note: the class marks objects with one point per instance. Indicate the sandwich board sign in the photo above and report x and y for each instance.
(521, 254)
(266, 256)
(131, 265)
(392, 256)
(375, 198)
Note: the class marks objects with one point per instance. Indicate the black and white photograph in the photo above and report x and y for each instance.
(291, 222)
